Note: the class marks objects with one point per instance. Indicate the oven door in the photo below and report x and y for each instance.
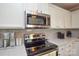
(49, 53)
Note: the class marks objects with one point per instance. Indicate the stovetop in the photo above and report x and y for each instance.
(48, 46)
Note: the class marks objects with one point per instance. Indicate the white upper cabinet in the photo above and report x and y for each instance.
(75, 19)
(52, 15)
(43, 7)
(68, 20)
(11, 16)
(60, 18)
(36, 7)
(30, 7)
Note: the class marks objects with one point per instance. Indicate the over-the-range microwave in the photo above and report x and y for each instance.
(38, 20)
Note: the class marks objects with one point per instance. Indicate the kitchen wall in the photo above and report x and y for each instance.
(52, 33)
(18, 35)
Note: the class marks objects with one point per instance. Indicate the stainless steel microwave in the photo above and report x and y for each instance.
(38, 20)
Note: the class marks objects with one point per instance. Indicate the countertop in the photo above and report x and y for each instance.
(20, 50)
(13, 51)
(61, 42)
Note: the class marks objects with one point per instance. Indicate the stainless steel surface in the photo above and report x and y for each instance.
(47, 25)
(6, 35)
(47, 52)
(41, 14)
(6, 39)
(1, 40)
(34, 36)
(12, 38)
(5, 43)
(37, 26)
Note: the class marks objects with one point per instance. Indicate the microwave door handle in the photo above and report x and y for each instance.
(47, 21)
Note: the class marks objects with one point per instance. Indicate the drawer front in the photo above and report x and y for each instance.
(65, 50)
(53, 53)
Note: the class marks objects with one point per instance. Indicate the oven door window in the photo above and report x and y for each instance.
(36, 20)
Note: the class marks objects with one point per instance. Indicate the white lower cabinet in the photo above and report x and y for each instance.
(63, 51)
(69, 49)
(75, 49)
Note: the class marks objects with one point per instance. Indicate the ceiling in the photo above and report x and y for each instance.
(68, 6)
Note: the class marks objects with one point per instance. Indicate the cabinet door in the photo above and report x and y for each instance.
(53, 53)
(68, 21)
(36, 7)
(11, 15)
(30, 7)
(68, 49)
(60, 18)
(65, 50)
(43, 8)
(75, 19)
(75, 49)
(61, 51)
(57, 20)
(53, 22)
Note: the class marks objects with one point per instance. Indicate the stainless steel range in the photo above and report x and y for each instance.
(37, 44)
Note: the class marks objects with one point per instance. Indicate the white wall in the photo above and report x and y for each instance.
(52, 34)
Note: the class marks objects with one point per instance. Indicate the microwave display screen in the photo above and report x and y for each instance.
(36, 20)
